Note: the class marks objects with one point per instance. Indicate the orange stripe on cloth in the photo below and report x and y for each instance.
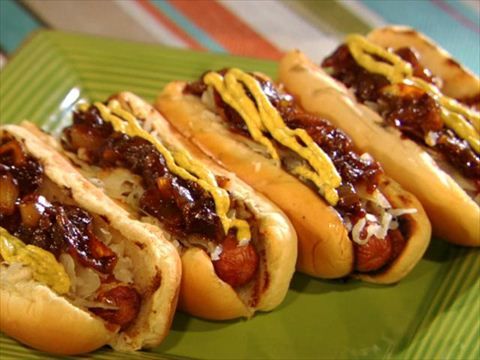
(169, 24)
(226, 28)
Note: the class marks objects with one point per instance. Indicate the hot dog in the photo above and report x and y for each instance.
(408, 103)
(238, 250)
(339, 200)
(76, 272)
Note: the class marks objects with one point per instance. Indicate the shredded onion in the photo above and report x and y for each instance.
(88, 282)
(431, 138)
(215, 255)
(69, 266)
(357, 229)
(97, 182)
(385, 224)
(373, 230)
(393, 225)
(208, 99)
(91, 304)
(347, 223)
(380, 218)
(400, 212)
(123, 270)
(366, 157)
(14, 273)
(147, 124)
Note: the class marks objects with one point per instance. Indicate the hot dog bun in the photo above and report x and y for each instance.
(453, 213)
(203, 293)
(432, 57)
(37, 316)
(30, 313)
(325, 249)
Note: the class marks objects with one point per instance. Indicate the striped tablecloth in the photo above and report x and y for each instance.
(245, 27)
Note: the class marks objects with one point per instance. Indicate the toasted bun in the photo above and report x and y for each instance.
(458, 81)
(156, 274)
(453, 213)
(324, 248)
(200, 284)
(203, 293)
(30, 313)
(206, 130)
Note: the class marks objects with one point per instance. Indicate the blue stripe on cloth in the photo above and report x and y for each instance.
(15, 25)
(461, 41)
(188, 26)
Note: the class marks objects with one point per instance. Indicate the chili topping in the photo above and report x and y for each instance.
(411, 103)
(29, 219)
(184, 207)
(355, 171)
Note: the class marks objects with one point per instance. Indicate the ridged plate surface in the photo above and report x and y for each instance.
(433, 313)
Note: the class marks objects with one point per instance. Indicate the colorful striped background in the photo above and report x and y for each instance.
(261, 29)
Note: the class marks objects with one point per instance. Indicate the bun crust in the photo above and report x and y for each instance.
(324, 248)
(206, 130)
(203, 293)
(458, 81)
(156, 272)
(454, 215)
(418, 236)
(31, 313)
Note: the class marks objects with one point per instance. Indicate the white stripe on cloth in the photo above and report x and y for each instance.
(284, 28)
(363, 12)
(473, 4)
(150, 24)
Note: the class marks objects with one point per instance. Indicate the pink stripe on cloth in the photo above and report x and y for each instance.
(226, 28)
(456, 15)
(169, 24)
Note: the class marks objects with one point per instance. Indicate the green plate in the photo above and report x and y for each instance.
(433, 313)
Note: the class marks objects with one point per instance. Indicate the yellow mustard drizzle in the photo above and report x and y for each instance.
(232, 93)
(264, 117)
(45, 268)
(180, 163)
(363, 51)
(463, 121)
